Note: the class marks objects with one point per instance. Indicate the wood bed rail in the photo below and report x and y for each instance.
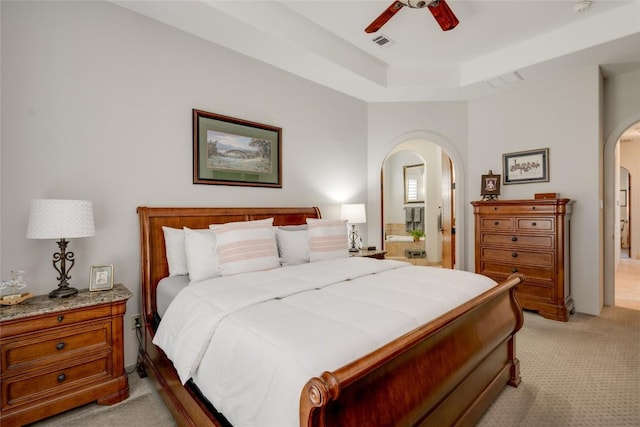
(388, 386)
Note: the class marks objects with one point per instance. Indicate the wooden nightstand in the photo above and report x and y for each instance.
(57, 354)
(369, 254)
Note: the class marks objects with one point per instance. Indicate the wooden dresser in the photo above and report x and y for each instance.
(530, 237)
(57, 354)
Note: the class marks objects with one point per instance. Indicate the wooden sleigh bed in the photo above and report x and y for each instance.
(446, 372)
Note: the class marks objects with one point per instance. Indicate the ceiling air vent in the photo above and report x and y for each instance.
(382, 40)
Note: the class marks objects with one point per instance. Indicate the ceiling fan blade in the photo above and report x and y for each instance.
(443, 14)
(384, 17)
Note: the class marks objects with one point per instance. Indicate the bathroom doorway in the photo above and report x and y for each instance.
(418, 198)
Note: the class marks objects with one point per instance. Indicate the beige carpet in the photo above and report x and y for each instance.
(582, 373)
(143, 408)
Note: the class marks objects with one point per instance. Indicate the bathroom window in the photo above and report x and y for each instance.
(414, 184)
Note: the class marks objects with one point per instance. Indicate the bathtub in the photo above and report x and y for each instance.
(399, 238)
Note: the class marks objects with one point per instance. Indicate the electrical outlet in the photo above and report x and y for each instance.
(136, 321)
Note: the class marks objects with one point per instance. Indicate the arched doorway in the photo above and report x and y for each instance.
(613, 202)
(418, 197)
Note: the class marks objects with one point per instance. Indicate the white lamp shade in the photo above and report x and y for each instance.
(60, 219)
(354, 213)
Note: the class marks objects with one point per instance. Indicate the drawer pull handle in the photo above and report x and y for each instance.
(533, 224)
(514, 239)
(496, 223)
(60, 318)
(514, 254)
(514, 270)
(61, 377)
(60, 346)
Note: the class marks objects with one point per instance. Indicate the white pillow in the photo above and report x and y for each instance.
(175, 251)
(246, 246)
(202, 258)
(327, 239)
(293, 244)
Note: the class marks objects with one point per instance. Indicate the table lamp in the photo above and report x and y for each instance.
(354, 213)
(61, 219)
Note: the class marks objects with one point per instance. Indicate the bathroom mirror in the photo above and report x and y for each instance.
(414, 183)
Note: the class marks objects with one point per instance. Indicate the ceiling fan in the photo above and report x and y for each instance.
(438, 8)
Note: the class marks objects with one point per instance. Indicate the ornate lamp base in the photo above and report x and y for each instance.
(353, 239)
(63, 292)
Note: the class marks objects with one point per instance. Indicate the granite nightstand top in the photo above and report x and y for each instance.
(42, 304)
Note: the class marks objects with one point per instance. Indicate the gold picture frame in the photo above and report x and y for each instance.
(101, 278)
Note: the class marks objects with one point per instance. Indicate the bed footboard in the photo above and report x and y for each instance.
(445, 373)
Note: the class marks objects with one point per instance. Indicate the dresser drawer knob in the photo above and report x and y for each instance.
(61, 377)
(514, 270)
(533, 224)
(496, 223)
(514, 239)
(60, 345)
(60, 318)
(514, 254)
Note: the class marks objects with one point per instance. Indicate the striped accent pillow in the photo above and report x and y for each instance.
(246, 246)
(327, 239)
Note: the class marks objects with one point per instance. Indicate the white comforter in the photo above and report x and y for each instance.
(251, 341)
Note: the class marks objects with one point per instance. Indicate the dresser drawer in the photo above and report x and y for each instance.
(501, 271)
(25, 388)
(52, 346)
(492, 209)
(497, 224)
(542, 259)
(542, 225)
(533, 292)
(517, 240)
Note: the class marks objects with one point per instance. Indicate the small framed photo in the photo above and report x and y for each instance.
(101, 278)
(490, 188)
(526, 166)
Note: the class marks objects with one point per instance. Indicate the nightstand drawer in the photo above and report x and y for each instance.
(40, 323)
(47, 348)
(22, 389)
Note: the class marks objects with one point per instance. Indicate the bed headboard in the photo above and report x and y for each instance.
(152, 250)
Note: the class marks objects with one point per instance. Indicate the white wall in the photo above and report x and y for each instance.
(562, 114)
(621, 109)
(96, 104)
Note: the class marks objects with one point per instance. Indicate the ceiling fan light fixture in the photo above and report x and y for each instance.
(582, 5)
(417, 4)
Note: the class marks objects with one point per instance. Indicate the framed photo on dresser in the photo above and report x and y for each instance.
(101, 278)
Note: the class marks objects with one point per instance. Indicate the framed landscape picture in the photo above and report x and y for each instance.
(230, 151)
(526, 166)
